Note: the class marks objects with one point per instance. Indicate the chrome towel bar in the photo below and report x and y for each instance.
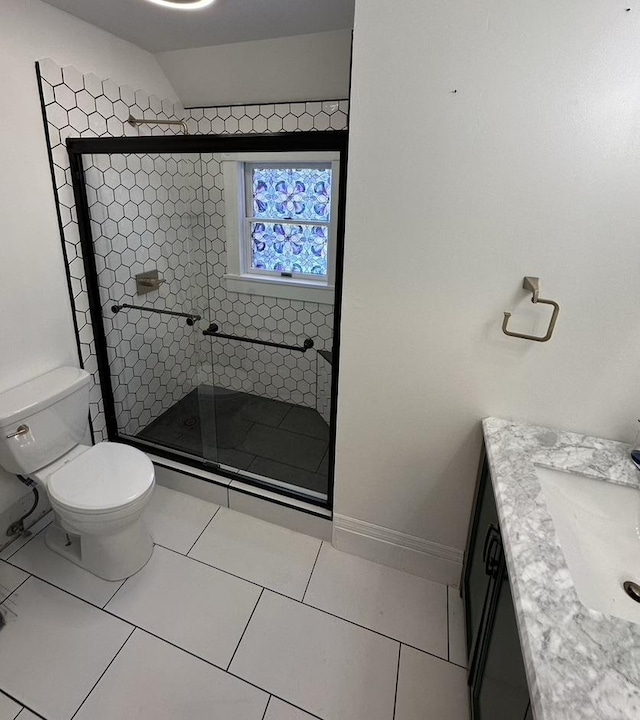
(532, 284)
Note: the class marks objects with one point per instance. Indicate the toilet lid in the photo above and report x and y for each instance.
(105, 477)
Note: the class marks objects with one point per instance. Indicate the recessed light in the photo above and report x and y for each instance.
(183, 4)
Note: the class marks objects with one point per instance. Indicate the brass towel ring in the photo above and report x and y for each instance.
(532, 284)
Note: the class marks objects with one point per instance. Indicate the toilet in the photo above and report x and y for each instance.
(98, 493)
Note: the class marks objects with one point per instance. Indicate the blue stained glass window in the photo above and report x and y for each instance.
(290, 214)
(290, 248)
(292, 193)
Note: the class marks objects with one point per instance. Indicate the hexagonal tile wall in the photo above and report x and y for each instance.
(169, 213)
(123, 192)
(279, 117)
(77, 105)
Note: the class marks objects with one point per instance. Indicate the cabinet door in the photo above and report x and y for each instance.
(529, 715)
(479, 560)
(501, 691)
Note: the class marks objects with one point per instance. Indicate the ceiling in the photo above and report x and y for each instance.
(156, 28)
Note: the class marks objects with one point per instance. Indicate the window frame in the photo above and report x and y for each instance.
(240, 277)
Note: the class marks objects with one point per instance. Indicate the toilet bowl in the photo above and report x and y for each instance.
(98, 493)
(98, 497)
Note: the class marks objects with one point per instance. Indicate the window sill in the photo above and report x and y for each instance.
(290, 289)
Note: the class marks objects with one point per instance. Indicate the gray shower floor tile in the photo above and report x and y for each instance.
(249, 433)
(289, 474)
(305, 421)
(233, 458)
(324, 465)
(283, 446)
(265, 411)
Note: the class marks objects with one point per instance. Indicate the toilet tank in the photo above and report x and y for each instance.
(54, 408)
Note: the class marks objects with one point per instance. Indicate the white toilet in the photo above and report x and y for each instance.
(97, 493)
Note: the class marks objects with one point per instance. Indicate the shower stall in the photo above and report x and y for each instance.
(213, 269)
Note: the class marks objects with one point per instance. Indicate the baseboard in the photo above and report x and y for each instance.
(398, 550)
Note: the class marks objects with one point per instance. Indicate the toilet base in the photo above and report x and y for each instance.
(111, 557)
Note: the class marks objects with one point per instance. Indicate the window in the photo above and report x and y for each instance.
(282, 242)
(288, 219)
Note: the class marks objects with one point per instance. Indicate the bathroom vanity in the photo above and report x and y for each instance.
(497, 678)
(551, 634)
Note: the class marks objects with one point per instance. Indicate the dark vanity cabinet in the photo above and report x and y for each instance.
(497, 681)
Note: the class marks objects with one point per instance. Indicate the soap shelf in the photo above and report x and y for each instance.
(148, 281)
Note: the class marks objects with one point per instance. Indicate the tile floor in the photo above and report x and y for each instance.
(272, 438)
(232, 618)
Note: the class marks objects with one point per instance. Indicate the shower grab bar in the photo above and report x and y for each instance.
(191, 318)
(212, 331)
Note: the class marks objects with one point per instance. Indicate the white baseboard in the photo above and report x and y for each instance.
(398, 550)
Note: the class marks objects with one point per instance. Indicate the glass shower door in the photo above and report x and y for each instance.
(201, 368)
(261, 432)
(143, 211)
(271, 402)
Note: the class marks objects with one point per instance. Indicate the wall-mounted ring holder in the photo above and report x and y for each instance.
(532, 284)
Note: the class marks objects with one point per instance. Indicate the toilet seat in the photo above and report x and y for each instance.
(107, 477)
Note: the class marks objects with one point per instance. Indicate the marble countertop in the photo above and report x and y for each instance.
(581, 664)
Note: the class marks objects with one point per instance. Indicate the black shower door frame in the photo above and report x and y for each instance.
(332, 140)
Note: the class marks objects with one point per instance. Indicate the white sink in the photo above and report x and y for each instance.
(597, 525)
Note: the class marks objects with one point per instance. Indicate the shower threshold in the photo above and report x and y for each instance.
(283, 444)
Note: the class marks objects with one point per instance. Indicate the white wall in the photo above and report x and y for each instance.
(531, 168)
(36, 330)
(303, 67)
